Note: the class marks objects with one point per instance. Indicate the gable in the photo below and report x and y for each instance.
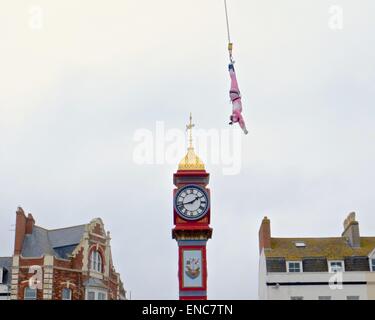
(97, 227)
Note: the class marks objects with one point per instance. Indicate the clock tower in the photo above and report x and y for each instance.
(191, 214)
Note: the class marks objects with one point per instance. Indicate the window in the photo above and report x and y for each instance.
(96, 295)
(96, 261)
(295, 266)
(101, 296)
(352, 298)
(325, 298)
(372, 265)
(91, 295)
(300, 244)
(1, 275)
(296, 298)
(30, 294)
(336, 266)
(66, 294)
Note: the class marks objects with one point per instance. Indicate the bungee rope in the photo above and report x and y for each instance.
(230, 44)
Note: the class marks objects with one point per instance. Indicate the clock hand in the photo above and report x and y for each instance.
(191, 201)
(182, 204)
(197, 198)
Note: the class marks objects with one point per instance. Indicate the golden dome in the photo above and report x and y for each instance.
(191, 161)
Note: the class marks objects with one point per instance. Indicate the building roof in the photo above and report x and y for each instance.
(6, 264)
(330, 248)
(59, 242)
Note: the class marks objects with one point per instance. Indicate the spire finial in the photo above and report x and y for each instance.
(189, 128)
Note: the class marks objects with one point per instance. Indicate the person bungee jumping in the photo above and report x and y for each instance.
(235, 97)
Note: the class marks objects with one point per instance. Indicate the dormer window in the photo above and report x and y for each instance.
(300, 244)
(96, 261)
(336, 266)
(372, 263)
(294, 266)
(371, 259)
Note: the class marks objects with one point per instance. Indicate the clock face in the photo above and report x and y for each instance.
(191, 202)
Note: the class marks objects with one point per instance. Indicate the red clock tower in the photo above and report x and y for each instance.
(191, 212)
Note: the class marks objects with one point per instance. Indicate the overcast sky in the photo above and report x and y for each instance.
(75, 87)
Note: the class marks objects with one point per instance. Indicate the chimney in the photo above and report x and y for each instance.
(20, 230)
(24, 225)
(265, 235)
(351, 231)
(30, 222)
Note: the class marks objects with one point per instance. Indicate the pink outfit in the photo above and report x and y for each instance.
(235, 97)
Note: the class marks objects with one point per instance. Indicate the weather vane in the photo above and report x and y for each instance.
(189, 128)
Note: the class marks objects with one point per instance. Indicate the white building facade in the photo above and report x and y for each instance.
(341, 268)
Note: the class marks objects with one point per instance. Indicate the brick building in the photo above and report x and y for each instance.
(332, 268)
(73, 263)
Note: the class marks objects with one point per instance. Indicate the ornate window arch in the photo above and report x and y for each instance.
(96, 261)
